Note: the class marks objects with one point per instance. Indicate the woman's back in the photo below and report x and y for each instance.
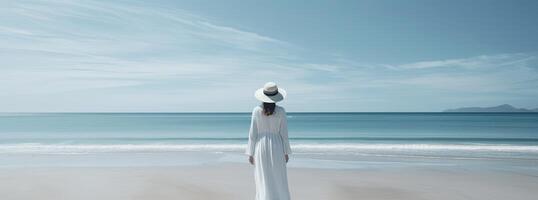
(269, 123)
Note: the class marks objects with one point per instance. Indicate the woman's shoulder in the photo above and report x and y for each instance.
(256, 109)
(280, 109)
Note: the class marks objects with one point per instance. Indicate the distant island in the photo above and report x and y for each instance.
(500, 108)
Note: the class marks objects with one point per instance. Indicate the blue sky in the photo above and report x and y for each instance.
(187, 56)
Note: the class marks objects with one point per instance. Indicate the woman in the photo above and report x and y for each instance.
(268, 145)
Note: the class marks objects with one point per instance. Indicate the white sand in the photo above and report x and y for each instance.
(235, 182)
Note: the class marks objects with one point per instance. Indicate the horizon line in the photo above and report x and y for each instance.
(240, 112)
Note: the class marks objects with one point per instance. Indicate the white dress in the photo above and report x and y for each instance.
(268, 143)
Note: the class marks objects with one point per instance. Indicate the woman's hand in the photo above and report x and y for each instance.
(251, 160)
(287, 157)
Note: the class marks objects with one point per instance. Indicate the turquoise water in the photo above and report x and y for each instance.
(314, 136)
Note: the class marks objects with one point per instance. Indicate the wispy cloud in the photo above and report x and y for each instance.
(56, 49)
(113, 56)
(486, 72)
(488, 61)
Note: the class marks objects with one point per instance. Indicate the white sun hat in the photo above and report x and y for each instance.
(270, 93)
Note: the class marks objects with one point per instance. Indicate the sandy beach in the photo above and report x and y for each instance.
(235, 181)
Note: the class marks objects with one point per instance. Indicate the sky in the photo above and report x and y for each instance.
(210, 56)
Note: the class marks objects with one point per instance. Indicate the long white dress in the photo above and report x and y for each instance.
(268, 143)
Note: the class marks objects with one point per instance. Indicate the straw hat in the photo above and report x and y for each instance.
(270, 93)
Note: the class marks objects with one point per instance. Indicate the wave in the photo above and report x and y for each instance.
(300, 148)
(97, 148)
(418, 147)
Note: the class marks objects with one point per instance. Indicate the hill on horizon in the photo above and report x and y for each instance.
(499, 108)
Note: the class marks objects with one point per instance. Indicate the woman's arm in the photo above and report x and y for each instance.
(284, 133)
(252, 136)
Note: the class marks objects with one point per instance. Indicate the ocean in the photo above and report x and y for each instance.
(331, 140)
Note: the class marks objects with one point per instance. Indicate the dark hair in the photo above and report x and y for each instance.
(268, 108)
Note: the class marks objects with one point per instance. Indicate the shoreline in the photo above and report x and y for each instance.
(298, 160)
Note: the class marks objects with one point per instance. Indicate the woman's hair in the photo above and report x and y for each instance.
(268, 108)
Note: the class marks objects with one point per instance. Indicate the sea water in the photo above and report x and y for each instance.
(341, 140)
